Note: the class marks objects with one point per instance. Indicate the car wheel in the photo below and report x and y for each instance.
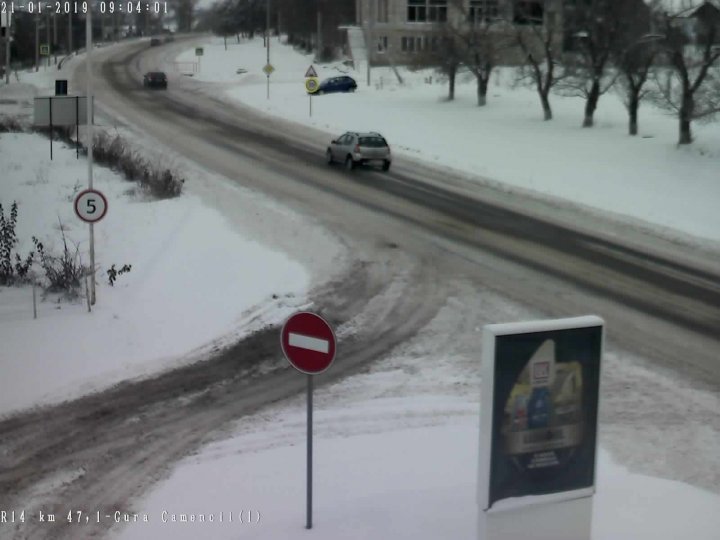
(386, 166)
(328, 157)
(349, 163)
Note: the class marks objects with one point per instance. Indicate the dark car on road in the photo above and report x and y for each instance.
(155, 79)
(337, 84)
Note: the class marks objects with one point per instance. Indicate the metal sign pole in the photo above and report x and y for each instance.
(267, 44)
(310, 96)
(88, 63)
(50, 101)
(77, 127)
(309, 450)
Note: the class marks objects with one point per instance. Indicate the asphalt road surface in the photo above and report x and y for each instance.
(410, 235)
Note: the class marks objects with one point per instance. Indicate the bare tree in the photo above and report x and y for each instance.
(443, 52)
(538, 41)
(634, 53)
(591, 28)
(480, 37)
(692, 86)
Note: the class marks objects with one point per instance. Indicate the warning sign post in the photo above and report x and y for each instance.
(308, 343)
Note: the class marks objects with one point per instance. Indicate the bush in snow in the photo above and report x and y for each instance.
(64, 273)
(9, 124)
(12, 268)
(155, 178)
(113, 273)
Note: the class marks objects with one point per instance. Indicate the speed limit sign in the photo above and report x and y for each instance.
(91, 206)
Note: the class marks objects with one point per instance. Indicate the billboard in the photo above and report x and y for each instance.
(60, 111)
(541, 384)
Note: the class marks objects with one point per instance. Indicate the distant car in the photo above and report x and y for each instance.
(337, 84)
(155, 79)
(154, 42)
(353, 149)
(240, 71)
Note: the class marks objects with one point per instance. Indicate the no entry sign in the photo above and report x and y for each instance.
(308, 343)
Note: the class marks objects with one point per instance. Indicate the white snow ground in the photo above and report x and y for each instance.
(645, 179)
(193, 277)
(395, 458)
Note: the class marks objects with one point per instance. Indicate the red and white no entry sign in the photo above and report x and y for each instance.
(308, 342)
(91, 205)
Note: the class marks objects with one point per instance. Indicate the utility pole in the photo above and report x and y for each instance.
(319, 35)
(89, 111)
(70, 32)
(55, 36)
(369, 45)
(47, 36)
(267, 43)
(37, 43)
(8, 28)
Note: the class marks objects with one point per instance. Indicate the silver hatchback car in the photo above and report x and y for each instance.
(353, 149)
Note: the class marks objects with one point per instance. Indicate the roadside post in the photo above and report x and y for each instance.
(538, 428)
(308, 342)
(312, 84)
(90, 206)
(268, 70)
(199, 52)
(90, 138)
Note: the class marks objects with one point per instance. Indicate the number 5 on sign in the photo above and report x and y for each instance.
(90, 206)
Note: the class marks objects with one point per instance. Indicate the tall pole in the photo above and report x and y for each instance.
(70, 32)
(89, 101)
(47, 35)
(319, 35)
(8, 28)
(37, 42)
(267, 43)
(369, 45)
(55, 35)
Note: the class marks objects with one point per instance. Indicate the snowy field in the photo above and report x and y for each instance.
(646, 178)
(193, 278)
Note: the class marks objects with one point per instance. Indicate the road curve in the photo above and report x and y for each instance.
(116, 443)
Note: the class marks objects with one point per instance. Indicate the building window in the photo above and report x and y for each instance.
(382, 11)
(404, 44)
(382, 44)
(427, 10)
(483, 11)
(529, 12)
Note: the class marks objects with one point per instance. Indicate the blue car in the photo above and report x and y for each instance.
(337, 84)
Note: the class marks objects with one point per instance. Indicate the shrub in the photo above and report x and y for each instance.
(64, 273)
(115, 152)
(11, 273)
(113, 273)
(10, 124)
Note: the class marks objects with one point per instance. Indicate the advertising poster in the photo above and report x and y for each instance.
(545, 390)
